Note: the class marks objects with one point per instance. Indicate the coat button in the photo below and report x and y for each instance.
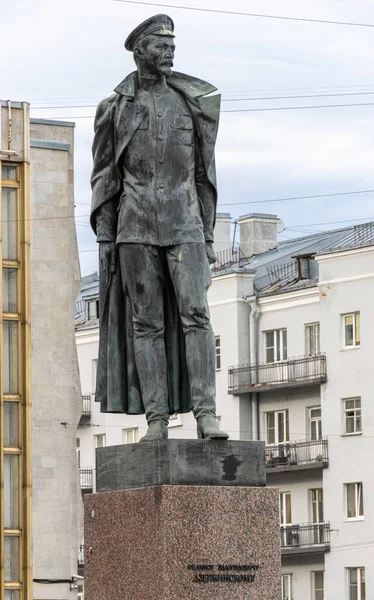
(159, 114)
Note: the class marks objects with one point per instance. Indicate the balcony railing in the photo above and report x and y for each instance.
(294, 372)
(85, 475)
(86, 405)
(293, 456)
(305, 538)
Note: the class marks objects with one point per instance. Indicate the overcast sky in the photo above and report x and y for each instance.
(71, 53)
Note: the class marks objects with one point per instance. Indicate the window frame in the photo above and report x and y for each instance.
(279, 347)
(287, 577)
(353, 410)
(358, 501)
(135, 435)
(315, 334)
(360, 571)
(286, 428)
(355, 343)
(314, 587)
(217, 350)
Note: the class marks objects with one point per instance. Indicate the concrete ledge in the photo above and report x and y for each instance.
(52, 145)
(180, 462)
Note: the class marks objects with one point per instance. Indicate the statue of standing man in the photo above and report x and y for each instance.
(153, 212)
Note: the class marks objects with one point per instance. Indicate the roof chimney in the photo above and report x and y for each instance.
(258, 233)
(222, 236)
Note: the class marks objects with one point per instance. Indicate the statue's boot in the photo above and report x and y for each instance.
(151, 366)
(157, 430)
(201, 369)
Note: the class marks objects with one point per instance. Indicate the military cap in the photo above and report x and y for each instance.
(157, 25)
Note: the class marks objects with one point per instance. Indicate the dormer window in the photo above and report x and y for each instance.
(92, 309)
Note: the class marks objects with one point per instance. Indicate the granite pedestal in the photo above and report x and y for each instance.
(176, 538)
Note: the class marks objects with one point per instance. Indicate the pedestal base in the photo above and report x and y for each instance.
(183, 543)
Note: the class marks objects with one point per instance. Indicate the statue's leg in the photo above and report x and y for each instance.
(142, 268)
(190, 273)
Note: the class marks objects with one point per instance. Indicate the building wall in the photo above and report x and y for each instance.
(347, 285)
(55, 283)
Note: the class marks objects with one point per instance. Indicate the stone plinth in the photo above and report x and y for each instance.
(183, 542)
(180, 462)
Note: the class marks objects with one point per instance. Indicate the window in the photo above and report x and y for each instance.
(275, 345)
(318, 578)
(356, 583)
(218, 352)
(352, 336)
(315, 423)
(277, 427)
(312, 346)
(92, 309)
(100, 440)
(352, 416)
(94, 375)
(130, 436)
(285, 508)
(354, 500)
(286, 586)
(78, 446)
(316, 499)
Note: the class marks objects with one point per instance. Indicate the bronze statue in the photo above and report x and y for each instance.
(153, 211)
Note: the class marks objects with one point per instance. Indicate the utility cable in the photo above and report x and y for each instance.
(246, 110)
(244, 14)
(228, 99)
(297, 198)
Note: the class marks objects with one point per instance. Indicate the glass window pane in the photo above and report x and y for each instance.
(10, 357)
(357, 329)
(11, 595)
(351, 501)
(360, 502)
(9, 221)
(8, 172)
(11, 424)
(11, 559)
(10, 290)
(284, 338)
(11, 491)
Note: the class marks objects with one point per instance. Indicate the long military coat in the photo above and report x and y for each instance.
(117, 119)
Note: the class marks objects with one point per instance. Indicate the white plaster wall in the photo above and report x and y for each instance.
(348, 285)
(301, 568)
(55, 283)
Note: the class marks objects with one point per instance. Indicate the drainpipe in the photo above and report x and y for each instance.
(253, 359)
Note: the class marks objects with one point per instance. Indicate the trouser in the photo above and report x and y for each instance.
(143, 268)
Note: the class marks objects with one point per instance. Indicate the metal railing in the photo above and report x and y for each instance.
(291, 372)
(306, 535)
(86, 405)
(297, 454)
(81, 556)
(86, 479)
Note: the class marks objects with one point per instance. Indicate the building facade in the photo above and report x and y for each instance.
(40, 391)
(292, 322)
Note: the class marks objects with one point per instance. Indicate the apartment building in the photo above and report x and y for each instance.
(293, 323)
(39, 383)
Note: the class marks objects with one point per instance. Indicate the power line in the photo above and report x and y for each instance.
(243, 14)
(328, 223)
(229, 99)
(245, 110)
(298, 198)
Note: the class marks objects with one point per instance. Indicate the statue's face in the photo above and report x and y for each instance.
(157, 54)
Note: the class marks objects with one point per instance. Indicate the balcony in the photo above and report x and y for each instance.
(86, 406)
(307, 538)
(265, 377)
(295, 456)
(86, 479)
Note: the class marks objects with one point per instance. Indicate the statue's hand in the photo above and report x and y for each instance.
(108, 255)
(210, 252)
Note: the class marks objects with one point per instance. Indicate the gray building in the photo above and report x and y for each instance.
(40, 389)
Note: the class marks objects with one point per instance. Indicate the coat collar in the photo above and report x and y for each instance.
(191, 87)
